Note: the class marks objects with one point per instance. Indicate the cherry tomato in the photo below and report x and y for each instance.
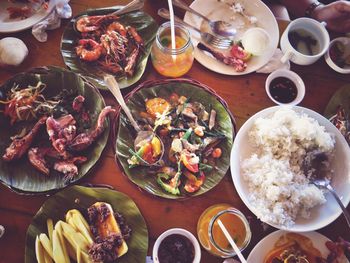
(217, 152)
(240, 53)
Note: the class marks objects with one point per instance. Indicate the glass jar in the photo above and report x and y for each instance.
(172, 62)
(211, 236)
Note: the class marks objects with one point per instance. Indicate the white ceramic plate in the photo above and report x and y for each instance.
(8, 25)
(213, 9)
(259, 252)
(321, 215)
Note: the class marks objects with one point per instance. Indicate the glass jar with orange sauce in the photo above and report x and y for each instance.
(211, 236)
(172, 62)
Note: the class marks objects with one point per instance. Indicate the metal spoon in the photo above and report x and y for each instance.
(142, 135)
(325, 184)
(132, 6)
(218, 27)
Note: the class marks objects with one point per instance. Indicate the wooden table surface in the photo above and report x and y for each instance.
(245, 96)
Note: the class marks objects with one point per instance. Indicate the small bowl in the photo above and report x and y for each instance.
(330, 62)
(178, 231)
(293, 77)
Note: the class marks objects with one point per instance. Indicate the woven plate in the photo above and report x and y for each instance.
(125, 135)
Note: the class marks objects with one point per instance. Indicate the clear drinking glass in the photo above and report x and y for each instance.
(172, 62)
(211, 236)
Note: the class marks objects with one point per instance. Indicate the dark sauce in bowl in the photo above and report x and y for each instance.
(176, 248)
(283, 90)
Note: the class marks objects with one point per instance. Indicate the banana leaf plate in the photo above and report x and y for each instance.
(141, 21)
(20, 175)
(340, 100)
(124, 134)
(79, 197)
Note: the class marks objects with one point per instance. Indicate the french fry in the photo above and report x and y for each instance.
(46, 243)
(60, 253)
(49, 223)
(39, 251)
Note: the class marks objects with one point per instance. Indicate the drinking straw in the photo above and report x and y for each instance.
(232, 243)
(172, 26)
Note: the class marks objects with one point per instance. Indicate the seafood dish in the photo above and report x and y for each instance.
(341, 121)
(27, 8)
(294, 247)
(290, 150)
(114, 47)
(184, 145)
(100, 238)
(52, 132)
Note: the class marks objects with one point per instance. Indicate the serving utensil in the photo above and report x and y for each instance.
(231, 241)
(142, 135)
(132, 6)
(325, 184)
(221, 28)
(212, 40)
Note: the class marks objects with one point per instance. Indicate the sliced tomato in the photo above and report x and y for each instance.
(186, 161)
(193, 183)
(147, 153)
(240, 53)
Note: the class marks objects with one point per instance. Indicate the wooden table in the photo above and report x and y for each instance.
(245, 96)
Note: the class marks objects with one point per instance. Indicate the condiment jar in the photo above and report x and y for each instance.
(211, 236)
(172, 62)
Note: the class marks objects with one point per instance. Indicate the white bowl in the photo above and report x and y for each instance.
(321, 215)
(267, 244)
(346, 42)
(178, 231)
(293, 77)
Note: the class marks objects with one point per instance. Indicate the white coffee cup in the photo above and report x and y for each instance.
(318, 31)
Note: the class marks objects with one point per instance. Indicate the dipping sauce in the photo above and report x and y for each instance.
(283, 90)
(234, 222)
(176, 248)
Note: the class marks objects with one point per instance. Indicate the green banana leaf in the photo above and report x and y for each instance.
(20, 175)
(340, 98)
(125, 138)
(141, 21)
(78, 197)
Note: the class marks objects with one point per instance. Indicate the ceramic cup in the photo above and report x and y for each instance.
(317, 30)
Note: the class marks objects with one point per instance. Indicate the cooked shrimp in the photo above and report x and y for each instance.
(92, 23)
(116, 26)
(88, 50)
(133, 33)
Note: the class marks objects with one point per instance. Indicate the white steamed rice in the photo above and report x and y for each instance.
(279, 190)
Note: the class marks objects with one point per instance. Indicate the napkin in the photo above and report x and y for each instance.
(274, 63)
(53, 21)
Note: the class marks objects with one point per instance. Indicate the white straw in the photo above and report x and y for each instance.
(172, 26)
(232, 243)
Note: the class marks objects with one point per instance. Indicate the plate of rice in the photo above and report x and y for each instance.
(270, 172)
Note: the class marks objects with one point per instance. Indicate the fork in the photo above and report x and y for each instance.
(212, 40)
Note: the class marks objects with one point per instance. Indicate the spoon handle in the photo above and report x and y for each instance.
(162, 12)
(182, 5)
(345, 212)
(132, 6)
(113, 86)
